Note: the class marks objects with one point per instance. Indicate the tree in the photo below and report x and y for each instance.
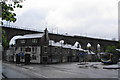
(5, 42)
(118, 46)
(7, 14)
(7, 10)
(111, 49)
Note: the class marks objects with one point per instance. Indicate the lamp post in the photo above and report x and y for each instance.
(98, 51)
(51, 42)
(61, 42)
(89, 50)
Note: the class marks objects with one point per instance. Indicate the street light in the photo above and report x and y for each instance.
(88, 46)
(61, 42)
(98, 51)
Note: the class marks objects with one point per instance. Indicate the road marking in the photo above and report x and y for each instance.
(40, 75)
(32, 68)
(3, 76)
(28, 70)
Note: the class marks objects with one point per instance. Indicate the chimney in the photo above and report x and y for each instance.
(46, 37)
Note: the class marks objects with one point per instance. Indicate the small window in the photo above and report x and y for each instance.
(22, 41)
(45, 49)
(28, 49)
(45, 59)
(34, 40)
(55, 49)
(34, 57)
(34, 49)
(22, 49)
(15, 48)
(68, 51)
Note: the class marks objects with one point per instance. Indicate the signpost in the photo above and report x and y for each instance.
(82, 55)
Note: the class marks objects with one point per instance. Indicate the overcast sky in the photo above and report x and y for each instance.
(93, 18)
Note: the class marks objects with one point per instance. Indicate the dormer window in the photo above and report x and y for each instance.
(34, 40)
(22, 41)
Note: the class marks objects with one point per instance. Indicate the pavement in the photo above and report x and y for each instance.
(100, 65)
(63, 70)
(112, 67)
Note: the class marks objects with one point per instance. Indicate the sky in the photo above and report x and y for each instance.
(91, 18)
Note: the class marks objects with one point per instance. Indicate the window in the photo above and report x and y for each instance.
(22, 41)
(68, 51)
(34, 49)
(44, 59)
(45, 49)
(34, 57)
(21, 49)
(34, 40)
(28, 49)
(55, 49)
(15, 48)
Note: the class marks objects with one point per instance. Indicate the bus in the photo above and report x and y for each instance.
(110, 58)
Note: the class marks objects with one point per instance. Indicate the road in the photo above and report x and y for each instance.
(12, 71)
(68, 70)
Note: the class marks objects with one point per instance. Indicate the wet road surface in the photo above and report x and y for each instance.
(70, 70)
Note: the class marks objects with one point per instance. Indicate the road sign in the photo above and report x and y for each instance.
(22, 54)
(18, 54)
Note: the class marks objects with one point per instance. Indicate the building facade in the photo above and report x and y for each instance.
(43, 50)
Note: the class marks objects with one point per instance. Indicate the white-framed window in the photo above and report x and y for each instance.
(34, 40)
(45, 49)
(34, 57)
(34, 49)
(22, 41)
(28, 49)
(22, 49)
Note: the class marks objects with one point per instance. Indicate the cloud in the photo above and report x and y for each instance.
(96, 18)
(33, 18)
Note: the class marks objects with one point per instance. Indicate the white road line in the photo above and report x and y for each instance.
(32, 68)
(24, 69)
(40, 75)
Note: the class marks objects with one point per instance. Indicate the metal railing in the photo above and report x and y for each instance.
(24, 28)
(31, 29)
